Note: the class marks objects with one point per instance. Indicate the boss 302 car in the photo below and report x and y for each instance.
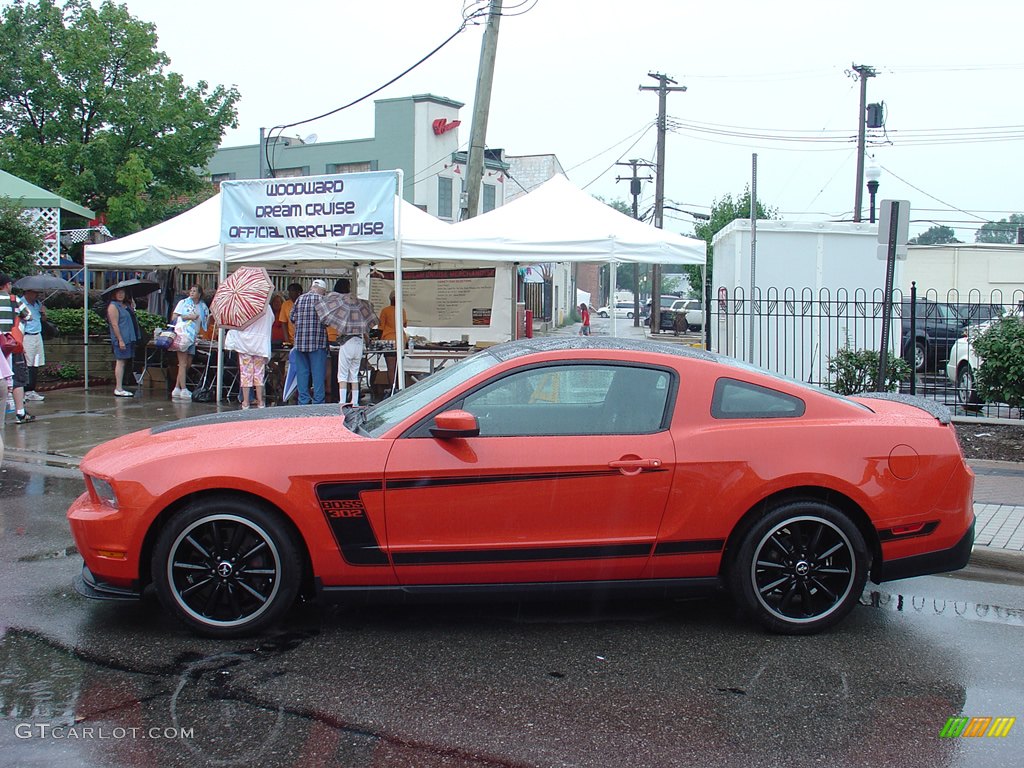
(537, 467)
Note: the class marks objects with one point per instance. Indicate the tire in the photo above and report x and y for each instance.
(801, 568)
(920, 355)
(226, 567)
(602, 314)
(966, 394)
(629, 315)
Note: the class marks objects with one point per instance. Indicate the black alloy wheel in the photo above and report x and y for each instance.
(226, 567)
(801, 568)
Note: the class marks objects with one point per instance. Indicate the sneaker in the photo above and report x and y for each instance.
(25, 418)
(175, 394)
(34, 397)
(122, 393)
(185, 395)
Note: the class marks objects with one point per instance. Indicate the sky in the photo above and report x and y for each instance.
(765, 78)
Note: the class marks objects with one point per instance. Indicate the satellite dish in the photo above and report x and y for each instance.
(311, 139)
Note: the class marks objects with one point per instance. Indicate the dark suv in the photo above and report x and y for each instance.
(937, 327)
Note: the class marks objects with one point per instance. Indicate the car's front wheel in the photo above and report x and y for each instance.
(965, 391)
(226, 567)
(602, 314)
(801, 568)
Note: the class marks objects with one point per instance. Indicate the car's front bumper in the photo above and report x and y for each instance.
(89, 586)
(942, 561)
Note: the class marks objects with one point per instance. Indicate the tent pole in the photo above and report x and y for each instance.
(220, 331)
(613, 284)
(513, 283)
(85, 319)
(399, 325)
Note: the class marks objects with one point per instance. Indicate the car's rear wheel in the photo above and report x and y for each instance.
(602, 314)
(801, 568)
(965, 391)
(226, 567)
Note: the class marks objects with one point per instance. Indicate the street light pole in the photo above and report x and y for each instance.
(873, 173)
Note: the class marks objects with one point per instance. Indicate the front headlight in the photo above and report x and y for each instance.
(103, 491)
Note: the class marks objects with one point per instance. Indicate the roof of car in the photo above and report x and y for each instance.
(512, 349)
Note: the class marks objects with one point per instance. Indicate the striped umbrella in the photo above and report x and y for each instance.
(242, 297)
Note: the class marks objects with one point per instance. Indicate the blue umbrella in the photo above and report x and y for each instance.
(291, 382)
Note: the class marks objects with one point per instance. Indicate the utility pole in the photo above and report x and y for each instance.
(481, 109)
(659, 185)
(634, 190)
(864, 72)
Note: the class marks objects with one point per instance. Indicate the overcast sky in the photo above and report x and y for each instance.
(567, 76)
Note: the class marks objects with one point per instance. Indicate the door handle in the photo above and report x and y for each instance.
(634, 466)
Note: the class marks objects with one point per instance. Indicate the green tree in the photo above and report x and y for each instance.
(1000, 347)
(935, 235)
(724, 211)
(89, 109)
(19, 240)
(1002, 231)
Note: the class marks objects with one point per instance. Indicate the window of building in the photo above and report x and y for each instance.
(362, 167)
(488, 201)
(444, 197)
(288, 173)
(217, 178)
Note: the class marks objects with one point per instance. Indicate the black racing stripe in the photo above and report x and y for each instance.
(694, 547)
(886, 534)
(438, 482)
(343, 507)
(455, 557)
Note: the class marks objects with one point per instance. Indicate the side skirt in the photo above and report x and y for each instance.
(591, 590)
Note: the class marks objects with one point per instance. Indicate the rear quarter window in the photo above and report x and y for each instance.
(734, 399)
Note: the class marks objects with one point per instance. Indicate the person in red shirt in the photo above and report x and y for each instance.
(585, 316)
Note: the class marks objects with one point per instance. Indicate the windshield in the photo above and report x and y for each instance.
(383, 416)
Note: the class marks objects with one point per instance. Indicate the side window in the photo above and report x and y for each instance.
(741, 400)
(582, 399)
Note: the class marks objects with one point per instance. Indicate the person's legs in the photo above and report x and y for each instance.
(318, 370)
(302, 373)
(35, 358)
(184, 361)
(258, 376)
(245, 376)
(20, 379)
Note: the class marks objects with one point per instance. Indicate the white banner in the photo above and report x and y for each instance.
(439, 298)
(354, 207)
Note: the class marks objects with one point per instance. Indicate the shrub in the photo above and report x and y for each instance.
(64, 371)
(855, 371)
(1000, 347)
(69, 322)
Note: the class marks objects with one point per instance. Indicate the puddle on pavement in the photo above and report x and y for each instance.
(954, 609)
(61, 706)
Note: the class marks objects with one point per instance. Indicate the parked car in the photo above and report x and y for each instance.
(683, 315)
(622, 309)
(937, 327)
(708, 473)
(964, 361)
(667, 300)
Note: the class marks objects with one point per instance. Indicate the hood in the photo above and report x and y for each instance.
(291, 426)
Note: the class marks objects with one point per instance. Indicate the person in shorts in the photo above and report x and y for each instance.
(12, 308)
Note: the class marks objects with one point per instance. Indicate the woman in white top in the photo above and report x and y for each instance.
(252, 344)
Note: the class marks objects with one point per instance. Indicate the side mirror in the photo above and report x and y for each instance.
(451, 424)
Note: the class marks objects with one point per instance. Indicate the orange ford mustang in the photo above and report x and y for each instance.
(543, 466)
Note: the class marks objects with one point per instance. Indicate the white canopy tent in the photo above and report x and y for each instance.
(556, 222)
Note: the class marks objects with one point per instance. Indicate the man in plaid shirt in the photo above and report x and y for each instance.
(310, 344)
